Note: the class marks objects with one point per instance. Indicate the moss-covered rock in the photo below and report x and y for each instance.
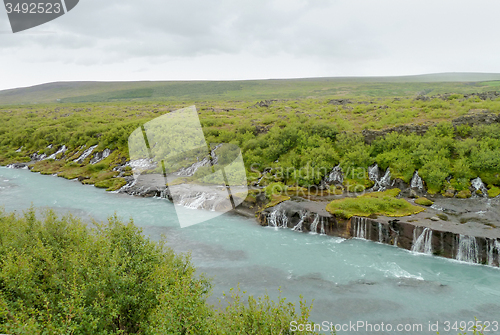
(464, 194)
(376, 203)
(494, 192)
(423, 201)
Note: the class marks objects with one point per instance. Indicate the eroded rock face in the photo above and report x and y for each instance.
(372, 135)
(478, 118)
(342, 102)
(483, 117)
(406, 235)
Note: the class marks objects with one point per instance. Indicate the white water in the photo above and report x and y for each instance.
(359, 227)
(100, 156)
(478, 185)
(85, 154)
(197, 201)
(380, 234)
(381, 184)
(54, 155)
(322, 231)
(467, 249)
(422, 243)
(299, 225)
(314, 225)
(335, 176)
(350, 280)
(416, 182)
(493, 247)
(373, 174)
(277, 218)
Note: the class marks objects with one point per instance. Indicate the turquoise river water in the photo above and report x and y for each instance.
(350, 281)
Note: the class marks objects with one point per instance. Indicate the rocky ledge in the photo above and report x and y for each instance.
(465, 233)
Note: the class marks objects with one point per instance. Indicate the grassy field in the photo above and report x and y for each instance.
(370, 87)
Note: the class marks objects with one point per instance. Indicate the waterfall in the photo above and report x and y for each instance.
(478, 185)
(322, 231)
(336, 176)
(62, 150)
(359, 227)
(85, 154)
(298, 226)
(373, 174)
(277, 218)
(467, 249)
(380, 235)
(196, 202)
(191, 170)
(422, 243)
(100, 156)
(380, 183)
(493, 245)
(314, 225)
(416, 182)
(385, 181)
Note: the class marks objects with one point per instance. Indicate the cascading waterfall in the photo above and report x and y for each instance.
(85, 154)
(467, 249)
(493, 245)
(277, 218)
(314, 225)
(54, 155)
(359, 227)
(385, 181)
(322, 231)
(381, 184)
(416, 182)
(100, 156)
(380, 234)
(336, 176)
(191, 170)
(478, 185)
(298, 226)
(373, 174)
(196, 202)
(422, 243)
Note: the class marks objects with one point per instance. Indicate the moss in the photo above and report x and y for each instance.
(442, 216)
(494, 192)
(378, 203)
(423, 201)
(464, 194)
(276, 199)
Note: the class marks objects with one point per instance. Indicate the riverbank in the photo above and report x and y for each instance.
(463, 229)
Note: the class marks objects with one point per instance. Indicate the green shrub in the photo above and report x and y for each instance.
(58, 276)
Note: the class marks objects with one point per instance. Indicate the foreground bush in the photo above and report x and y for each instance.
(58, 276)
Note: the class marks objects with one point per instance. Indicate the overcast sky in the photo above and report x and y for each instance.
(252, 39)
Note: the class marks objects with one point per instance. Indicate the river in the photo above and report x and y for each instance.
(349, 280)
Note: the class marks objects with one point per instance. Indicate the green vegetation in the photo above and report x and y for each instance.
(296, 140)
(378, 203)
(76, 92)
(423, 201)
(58, 276)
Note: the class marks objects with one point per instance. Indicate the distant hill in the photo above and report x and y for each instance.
(80, 92)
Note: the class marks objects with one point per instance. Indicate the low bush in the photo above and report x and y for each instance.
(59, 276)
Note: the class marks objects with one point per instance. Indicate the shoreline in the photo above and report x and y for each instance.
(410, 232)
